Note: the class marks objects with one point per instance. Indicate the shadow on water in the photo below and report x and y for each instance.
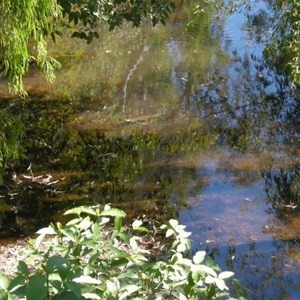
(183, 121)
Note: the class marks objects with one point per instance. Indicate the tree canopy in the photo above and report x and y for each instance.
(26, 24)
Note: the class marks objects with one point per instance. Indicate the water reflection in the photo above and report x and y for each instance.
(173, 121)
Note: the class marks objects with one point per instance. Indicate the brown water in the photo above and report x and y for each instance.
(180, 121)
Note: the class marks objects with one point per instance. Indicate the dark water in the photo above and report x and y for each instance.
(183, 121)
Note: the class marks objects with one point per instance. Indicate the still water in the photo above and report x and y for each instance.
(183, 121)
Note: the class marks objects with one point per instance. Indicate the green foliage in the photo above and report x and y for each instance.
(88, 258)
(284, 51)
(86, 15)
(26, 25)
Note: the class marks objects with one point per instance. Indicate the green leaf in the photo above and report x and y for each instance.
(141, 228)
(75, 288)
(66, 295)
(55, 263)
(16, 283)
(3, 294)
(124, 237)
(129, 290)
(118, 224)
(119, 262)
(68, 233)
(36, 288)
(96, 231)
(81, 209)
(23, 268)
(73, 222)
(4, 281)
(113, 212)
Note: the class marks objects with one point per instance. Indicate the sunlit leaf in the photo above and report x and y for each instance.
(46, 231)
(86, 279)
(113, 212)
(4, 281)
(199, 257)
(208, 270)
(169, 232)
(91, 296)
(221, 284)
(181, 247)
(173, 223)
(225, 275)
(209, 280)
(84, 224)
(81, 209)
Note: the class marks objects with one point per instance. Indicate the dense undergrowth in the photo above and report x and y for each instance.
(94, 256)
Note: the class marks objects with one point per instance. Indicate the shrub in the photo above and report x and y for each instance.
(89, 258)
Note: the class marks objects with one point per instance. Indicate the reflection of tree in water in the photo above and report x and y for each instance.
(283, 189)
(270, 263)
(70, 166)
(12, 131)
(11, 134)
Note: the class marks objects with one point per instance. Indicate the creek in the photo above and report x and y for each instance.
(182, 121)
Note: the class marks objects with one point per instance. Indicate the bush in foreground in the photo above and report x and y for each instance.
(88, 258)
